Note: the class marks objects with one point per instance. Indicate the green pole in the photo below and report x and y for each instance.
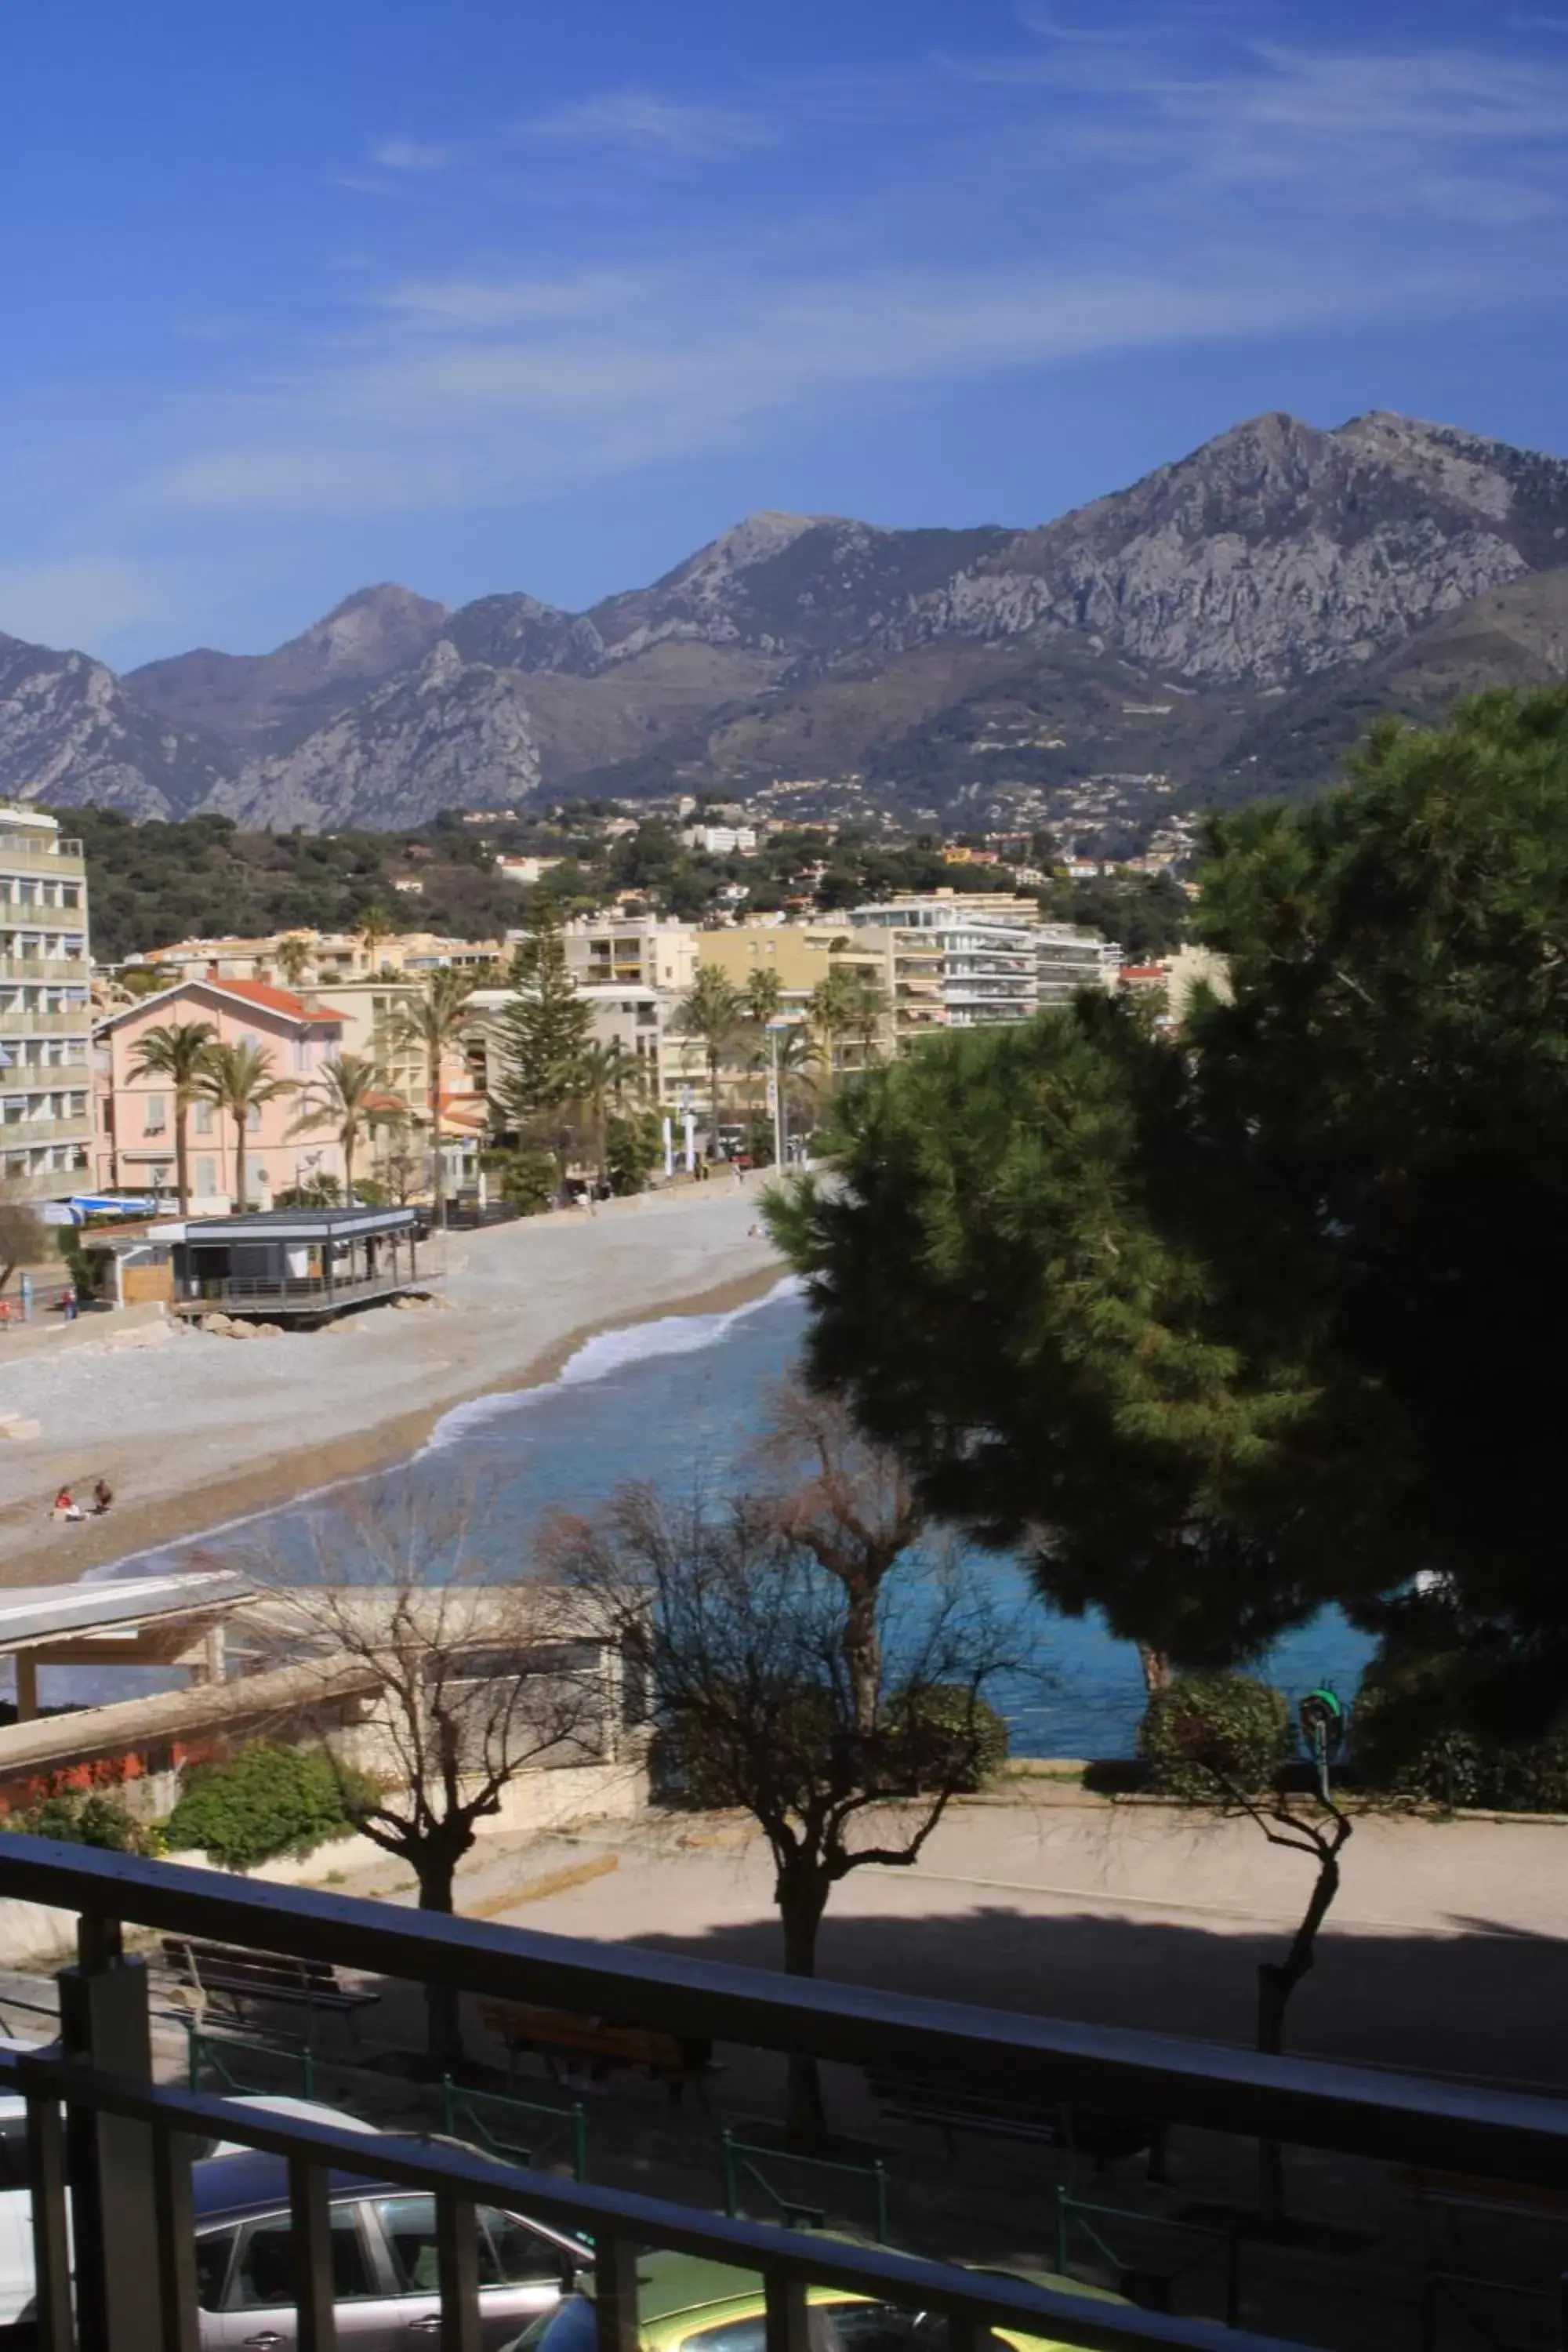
(1061, 2231)
(448, 2107)
(730, 2181)
(580, 2142)
(193, 2055)
(310, 2071)
(880, 2170)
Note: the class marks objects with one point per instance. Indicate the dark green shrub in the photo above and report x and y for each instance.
(79, 1819)
(954, 1737)
(528, 1179)
(269, 1799)
(634, 1148)
(1206, 1730)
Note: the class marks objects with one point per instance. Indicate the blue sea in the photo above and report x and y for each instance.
(681, 1401)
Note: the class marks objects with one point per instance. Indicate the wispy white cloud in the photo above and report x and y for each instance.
(641, 122)
(362, 184)
(472, 394)
(409, 155)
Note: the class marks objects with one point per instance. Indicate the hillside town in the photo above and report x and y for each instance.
(813, 992)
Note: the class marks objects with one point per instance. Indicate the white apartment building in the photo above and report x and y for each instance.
(46, 1010)
(721, 840)
(642, 953)
(976, 969)
(1072, 956)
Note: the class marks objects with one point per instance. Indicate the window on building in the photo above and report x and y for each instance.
(253, 1118)
(155, 1114)
(206, 1115)
(207, 1178)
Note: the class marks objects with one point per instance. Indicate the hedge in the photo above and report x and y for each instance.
(268, 1800)
(1204, 1729)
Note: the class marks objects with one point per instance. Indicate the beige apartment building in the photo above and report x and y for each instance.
(46, 1010)
(329, 957)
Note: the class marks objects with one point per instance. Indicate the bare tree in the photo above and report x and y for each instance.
(853, 1506)
(742, 1644)
(24, 1237)
(457, 1683)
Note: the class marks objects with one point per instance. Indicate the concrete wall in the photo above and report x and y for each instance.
(535, 1803)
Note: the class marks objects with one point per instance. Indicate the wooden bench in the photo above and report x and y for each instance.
(1107, 2139)
(1455, 2194)
(576, 2045)
(221, 1972)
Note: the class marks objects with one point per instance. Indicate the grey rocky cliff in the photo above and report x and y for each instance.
(455, 734)
(70, 734)
(1272, 554)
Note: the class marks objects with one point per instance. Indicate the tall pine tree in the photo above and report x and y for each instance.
(545, 1030)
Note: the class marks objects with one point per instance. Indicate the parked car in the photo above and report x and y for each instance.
(384, 2262)
(15, 2198)
(685, 2304)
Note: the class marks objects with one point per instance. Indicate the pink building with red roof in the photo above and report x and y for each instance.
(136, 1115)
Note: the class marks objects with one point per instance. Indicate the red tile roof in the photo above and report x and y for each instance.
(275, 1000)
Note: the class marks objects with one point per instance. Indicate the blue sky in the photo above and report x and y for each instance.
(486, 294)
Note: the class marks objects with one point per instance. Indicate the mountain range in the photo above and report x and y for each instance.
(1228, 623)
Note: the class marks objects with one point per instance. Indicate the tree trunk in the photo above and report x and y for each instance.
(348, 1143)
(862, 1653)
(713, 1085)
(181, 1156)
(802, 1899)
(239, 1119)
(1156, 1667)
(436, 1873)
(1277, 1981)
(437, 1165)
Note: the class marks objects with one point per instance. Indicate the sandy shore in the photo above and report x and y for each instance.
(190, 1429)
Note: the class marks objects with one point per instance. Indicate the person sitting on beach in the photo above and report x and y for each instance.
(102, 1496)
(67, 1507)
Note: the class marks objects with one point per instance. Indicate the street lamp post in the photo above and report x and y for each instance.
(775, 1030)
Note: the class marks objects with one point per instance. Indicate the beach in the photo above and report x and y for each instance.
(190, 1428)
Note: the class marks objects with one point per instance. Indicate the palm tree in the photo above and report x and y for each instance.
(799, 1060)
(176, 1051)
(239, 1078)
(712, 1010)
(762, 996)
(293, 958)
(375, 926)
(845, 1004)
(430, 1026)
(351, 1097)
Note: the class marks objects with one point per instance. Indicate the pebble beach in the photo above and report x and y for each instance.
(190, 1428)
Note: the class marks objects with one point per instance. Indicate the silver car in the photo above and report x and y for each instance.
(384, 2262)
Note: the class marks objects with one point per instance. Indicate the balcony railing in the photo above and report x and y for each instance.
(23, 853)
(42, 967)
(71, 1127)
(19, 1021)
(131, 2191)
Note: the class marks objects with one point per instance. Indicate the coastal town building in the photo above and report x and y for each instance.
(721, 840)
(1071, 956)
(320, 956)
(136, 1114)
(46, 1010)
(962, 968)
(644, 952)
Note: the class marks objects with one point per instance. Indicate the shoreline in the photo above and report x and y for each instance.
(203, 1510)
(516, 1277)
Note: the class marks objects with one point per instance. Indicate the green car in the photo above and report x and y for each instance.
(687, 2306)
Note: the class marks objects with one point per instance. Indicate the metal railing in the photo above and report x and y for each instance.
(130, 2174)
(303, 1289)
